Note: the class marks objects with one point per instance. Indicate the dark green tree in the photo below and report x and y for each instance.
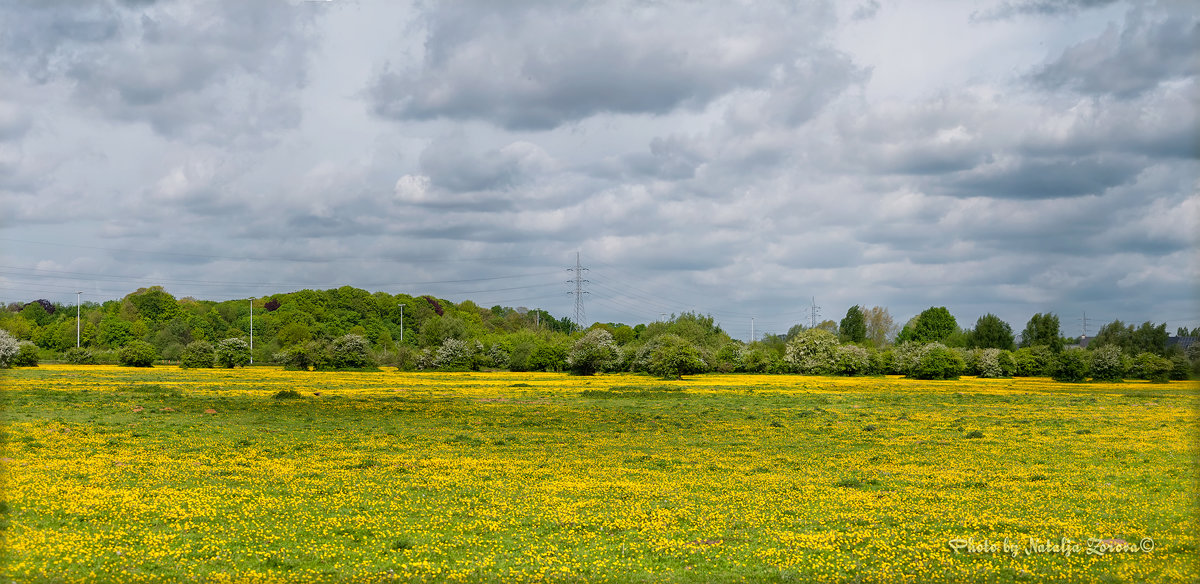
(1151, 339)
(1043, 330)
(991, 333)
(853, 328)
(935, 324)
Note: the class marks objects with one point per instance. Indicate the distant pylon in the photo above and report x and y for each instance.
(579, 291)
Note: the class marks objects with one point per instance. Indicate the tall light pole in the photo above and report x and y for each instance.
(402, 324)
(77, 297)
(251, 330)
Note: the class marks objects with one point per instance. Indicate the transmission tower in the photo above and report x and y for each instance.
(813, 313)
(579, 281)
(1085, 321)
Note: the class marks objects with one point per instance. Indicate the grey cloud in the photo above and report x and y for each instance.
(543, 66)
(451, 166)
(866, 11)
(171, 65)
(1150, 49)
(1007, 9)
(1044, 178)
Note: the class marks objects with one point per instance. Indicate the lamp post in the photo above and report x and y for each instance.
(77, 297)
(251, 330)
(401, 324)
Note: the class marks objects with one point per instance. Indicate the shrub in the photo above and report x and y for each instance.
(300, 357)
(812, 352)
(79, 356)
(1108, 364)
(970, 359)
(755, 360)
(138, 354)
(1007, 364)
(1152, 367)
(350, 352)
(453, 354)
(881, 362)
(906, 357)
(8, 349)
(1071, 366)
(987, 364)
(593, 352)
(1033, 361)
(233, 353)
(405, 358)
(27, 355)
(198, 354)
(937, 362)
(548, 357)
(851, 360)
(673, 356)
(1180, 368)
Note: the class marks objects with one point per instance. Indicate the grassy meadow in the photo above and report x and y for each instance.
(147, 475)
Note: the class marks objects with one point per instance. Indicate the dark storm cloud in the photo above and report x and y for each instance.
(538, 66)
(1150, 48)
(1044, 178)
(198, 69)
(1040, 8)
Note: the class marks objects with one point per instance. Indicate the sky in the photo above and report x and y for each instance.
(745, 160)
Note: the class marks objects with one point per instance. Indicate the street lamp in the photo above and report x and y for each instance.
(77, 297)
(251, 330)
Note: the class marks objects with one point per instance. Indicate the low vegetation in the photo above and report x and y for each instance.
(120, 474)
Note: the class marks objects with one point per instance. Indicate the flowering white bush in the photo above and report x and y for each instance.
(453, 353)
(8, 349)
(813, 351)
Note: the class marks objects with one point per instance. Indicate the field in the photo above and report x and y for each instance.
(128, 475)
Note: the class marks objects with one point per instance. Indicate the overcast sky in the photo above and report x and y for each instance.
(733, 158)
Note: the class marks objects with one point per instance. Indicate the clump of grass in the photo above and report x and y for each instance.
(974, 434)
(402, 544)
(520, 385)
(869, 428)
(856, 482)
(1083, 431)
(287, 394)
(155, 389)
(1038, 477)
(634, 391)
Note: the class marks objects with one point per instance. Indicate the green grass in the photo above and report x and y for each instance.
(556, 479)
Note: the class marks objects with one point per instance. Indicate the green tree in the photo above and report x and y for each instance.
(934, 325)
(1043, 331)
(674, 356)
(1149, 338)
(1071, 366)
(593, 352)
(991, 333)
(880, 326)
(154, 304)
(853, 328)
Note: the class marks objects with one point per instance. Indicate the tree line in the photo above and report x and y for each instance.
(350, 328)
